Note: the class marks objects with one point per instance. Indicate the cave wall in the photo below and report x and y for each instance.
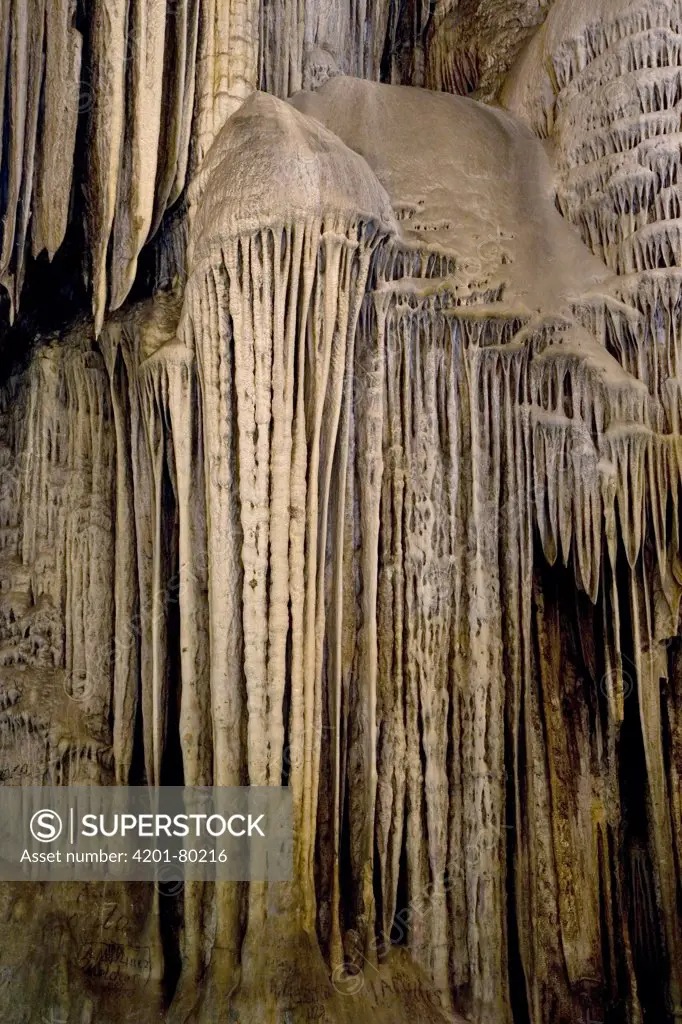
(373, 492)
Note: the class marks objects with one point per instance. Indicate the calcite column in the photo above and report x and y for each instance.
(279, 266)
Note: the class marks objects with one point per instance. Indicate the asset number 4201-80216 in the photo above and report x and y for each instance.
(202, 856)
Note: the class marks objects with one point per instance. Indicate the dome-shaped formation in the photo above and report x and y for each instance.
(466, 181)
(272, 165)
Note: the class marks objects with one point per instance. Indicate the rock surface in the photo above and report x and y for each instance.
(369, 487)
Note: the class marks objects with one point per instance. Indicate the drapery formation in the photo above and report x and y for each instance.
(382, 503)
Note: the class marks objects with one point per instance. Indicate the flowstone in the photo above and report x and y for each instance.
(368, 488)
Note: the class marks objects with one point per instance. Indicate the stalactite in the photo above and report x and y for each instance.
(106, 126)
(135, 193)
(62, 100)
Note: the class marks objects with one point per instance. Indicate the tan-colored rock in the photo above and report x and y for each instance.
(371, 492)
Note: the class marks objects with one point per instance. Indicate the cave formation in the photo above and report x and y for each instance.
(340, 449)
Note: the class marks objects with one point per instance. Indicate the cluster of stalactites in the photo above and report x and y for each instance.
(148, 84)
(305, 43)
(605, 473)
(281, 357)
(604, 451)
(610, 93)
(57, 564)
(612, 100)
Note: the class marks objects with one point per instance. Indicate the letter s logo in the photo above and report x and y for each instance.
(46, 826)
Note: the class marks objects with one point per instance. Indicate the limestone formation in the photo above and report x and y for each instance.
(340, 450)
